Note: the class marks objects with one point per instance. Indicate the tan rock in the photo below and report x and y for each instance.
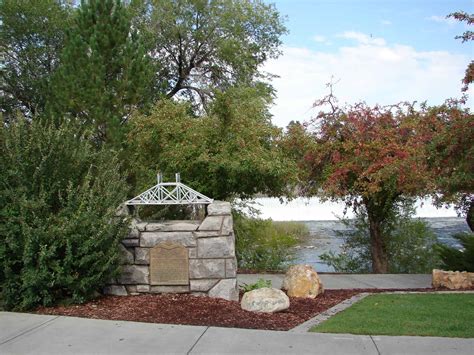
(266, 299)
(302, 281)
(453, 280)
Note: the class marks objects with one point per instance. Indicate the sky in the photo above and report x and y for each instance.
(377, 51)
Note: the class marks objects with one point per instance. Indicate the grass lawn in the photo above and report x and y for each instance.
(446, 315)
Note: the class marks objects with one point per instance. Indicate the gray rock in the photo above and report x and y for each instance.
(207, 234)
(122, 211)
(206, 268)
(219, 208)
(227, 226)
(192, 253)
(143, 288)
(266, 300)
(150, 239)
(169, 289)
(181, 226)
(226, 289)
(131, 289)
(154, 227)
(133, 274)
(142, 256)
(116, 290)
(230, 268)
(126, 255)
(219, 247)
(211, 223)
(203, 285)
(130, 242)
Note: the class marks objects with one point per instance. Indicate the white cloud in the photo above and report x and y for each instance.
(443, 19)
(363, 38)
(386, 22)
(369, 70)
(319, 38)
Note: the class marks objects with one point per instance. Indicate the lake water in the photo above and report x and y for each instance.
(324, 237)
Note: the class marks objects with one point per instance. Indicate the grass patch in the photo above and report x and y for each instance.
(444, 315)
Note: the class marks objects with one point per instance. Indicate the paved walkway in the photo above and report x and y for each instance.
(341, 281)
(22, 333)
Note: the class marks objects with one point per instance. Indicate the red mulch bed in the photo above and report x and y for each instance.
(194, 310)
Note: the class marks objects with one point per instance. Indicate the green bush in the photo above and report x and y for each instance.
(58, 234)
(261, 245)
(261, 283)
(455, 259)
(410, 245)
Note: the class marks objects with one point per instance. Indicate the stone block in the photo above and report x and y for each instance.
(453, 280)
(143, 288)
(203, 285)
(230, 268)
(226, 289)
(142, 256)
(133, 274)
(131, 289)
(192, 253)
(169, 289)
(227, 226)
(126, 255)
(218, 208)
(206, 268)
(154, 227)
(131, 242)
(207, 234)
(150, 239)
(116, 290)
(220, 247)
(211, 223)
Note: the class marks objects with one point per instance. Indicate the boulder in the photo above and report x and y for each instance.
(453, 280)
(302, 281)
(266, 300)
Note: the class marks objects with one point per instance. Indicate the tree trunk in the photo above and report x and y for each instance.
(377, 244)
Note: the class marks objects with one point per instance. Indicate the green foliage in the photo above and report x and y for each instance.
(105, 71)
(31, 38)
(410, 245)
(260, 245)
(455, 259)
(202, 46)
(58, 234)
(445, 315)
(231, 152)
(261, 283)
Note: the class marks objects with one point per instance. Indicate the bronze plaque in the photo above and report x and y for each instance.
(169, 265)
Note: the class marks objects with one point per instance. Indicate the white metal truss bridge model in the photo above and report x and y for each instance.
(170, 193)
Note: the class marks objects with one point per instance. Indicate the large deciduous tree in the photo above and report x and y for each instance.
(231, 152)
(204, 45)
(372, 159)
(31, 38)
(466, 37)
(105, 71)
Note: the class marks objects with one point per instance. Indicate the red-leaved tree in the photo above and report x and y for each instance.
(369, 157)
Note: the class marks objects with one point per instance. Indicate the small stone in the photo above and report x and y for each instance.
(116, 290)
(219, 247)
(143, 288)
(227, 225)
(130, 242)
(226, 289)
(180, 226)
(302, 281)
(133, 274)
(218, 208)
(169, 289)
(150, 239)
(206, 268)
(266, 299)
(230, 267)
(126, 255)
(202, 285)
(211, 223)
(142, 256)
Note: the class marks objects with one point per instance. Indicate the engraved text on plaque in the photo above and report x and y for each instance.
(169, 265)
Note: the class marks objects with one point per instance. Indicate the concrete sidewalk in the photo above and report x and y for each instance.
(344, 281)
(22, 333)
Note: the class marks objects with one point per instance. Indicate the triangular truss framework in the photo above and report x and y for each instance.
(170, 193)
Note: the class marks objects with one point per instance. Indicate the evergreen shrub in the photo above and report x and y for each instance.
(458, 259)
(59, 236)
